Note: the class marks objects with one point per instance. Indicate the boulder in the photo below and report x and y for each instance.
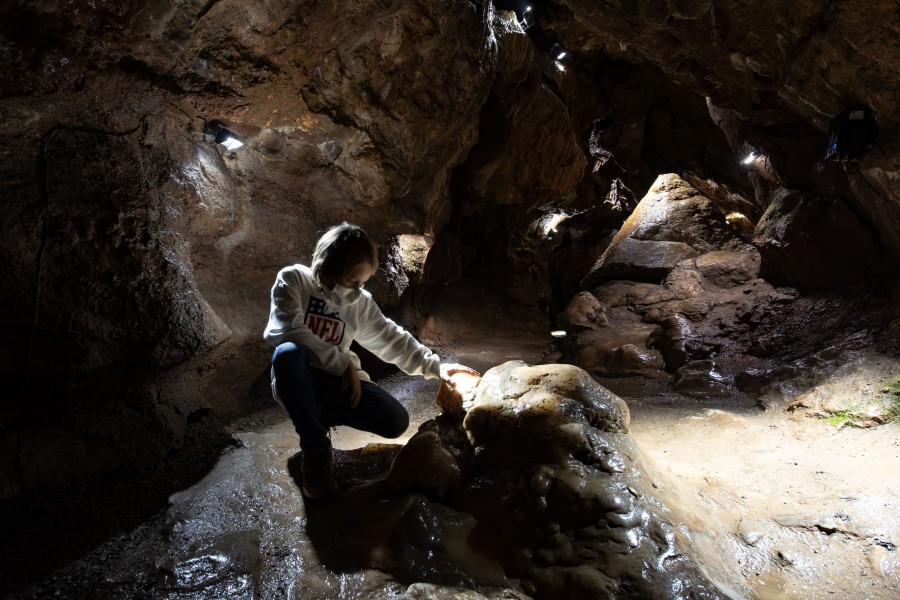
(583, 311)
(726, 268)
(685, 282)
(644, 294)
(564, 493)
(672, 222)
(613, 293)
(627, 360)
(631, 258)
(423, 465)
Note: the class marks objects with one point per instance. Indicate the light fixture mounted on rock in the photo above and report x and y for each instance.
(228, 139)
(557, 52)
(223, 135)
(525, 15)
(520, 7)
(851, 134)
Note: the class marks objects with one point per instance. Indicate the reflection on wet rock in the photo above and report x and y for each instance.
(226, 569)
(700, 379)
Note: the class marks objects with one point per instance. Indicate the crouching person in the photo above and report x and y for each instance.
(316, 312)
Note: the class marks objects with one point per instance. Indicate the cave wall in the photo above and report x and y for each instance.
(139, 253)
(774, 75)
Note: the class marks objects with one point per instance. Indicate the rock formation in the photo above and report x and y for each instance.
(704, 312)
(539, 488)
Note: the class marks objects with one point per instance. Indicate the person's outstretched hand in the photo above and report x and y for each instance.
(448, 370)
(350, 380)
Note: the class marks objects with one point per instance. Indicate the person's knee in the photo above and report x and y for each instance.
(288, 353)
(398, 424)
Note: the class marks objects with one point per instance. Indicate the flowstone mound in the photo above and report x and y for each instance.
(562, 492)
(538, 489)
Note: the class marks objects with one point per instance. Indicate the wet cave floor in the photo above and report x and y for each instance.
(799, 508)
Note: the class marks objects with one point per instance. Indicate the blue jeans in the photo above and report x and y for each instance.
(315, 401)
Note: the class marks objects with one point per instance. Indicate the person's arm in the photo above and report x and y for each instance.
(286, 324)
(350, 381)
(393, 344)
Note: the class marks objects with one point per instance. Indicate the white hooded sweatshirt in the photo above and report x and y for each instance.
(325, 322)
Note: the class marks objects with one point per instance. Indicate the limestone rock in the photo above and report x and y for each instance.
(154, 246)
(541, 490)
(642, 294)
(674, 210)
(619, 350)
(728, 268)
(627, 360)
(631, 258)
(784, 82)
(671, 223)
(684, 282)
(583, 311)
(700, 379)
(527, 156)
(671, 338)
(557, 485)
(513, 397)
(613, 293)
(741, 224)
(453, 398)
(695, 309)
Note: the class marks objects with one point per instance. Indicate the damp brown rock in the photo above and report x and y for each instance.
(563, 493)
(540, 489)
(452, 396)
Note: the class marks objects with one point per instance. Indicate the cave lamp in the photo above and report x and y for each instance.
(228, 139)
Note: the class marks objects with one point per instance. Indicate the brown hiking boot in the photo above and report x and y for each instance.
(318, 478)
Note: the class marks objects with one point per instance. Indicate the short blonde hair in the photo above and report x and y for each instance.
(340, 250)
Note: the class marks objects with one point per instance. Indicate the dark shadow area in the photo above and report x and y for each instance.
(47, 527)
(365, 522)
